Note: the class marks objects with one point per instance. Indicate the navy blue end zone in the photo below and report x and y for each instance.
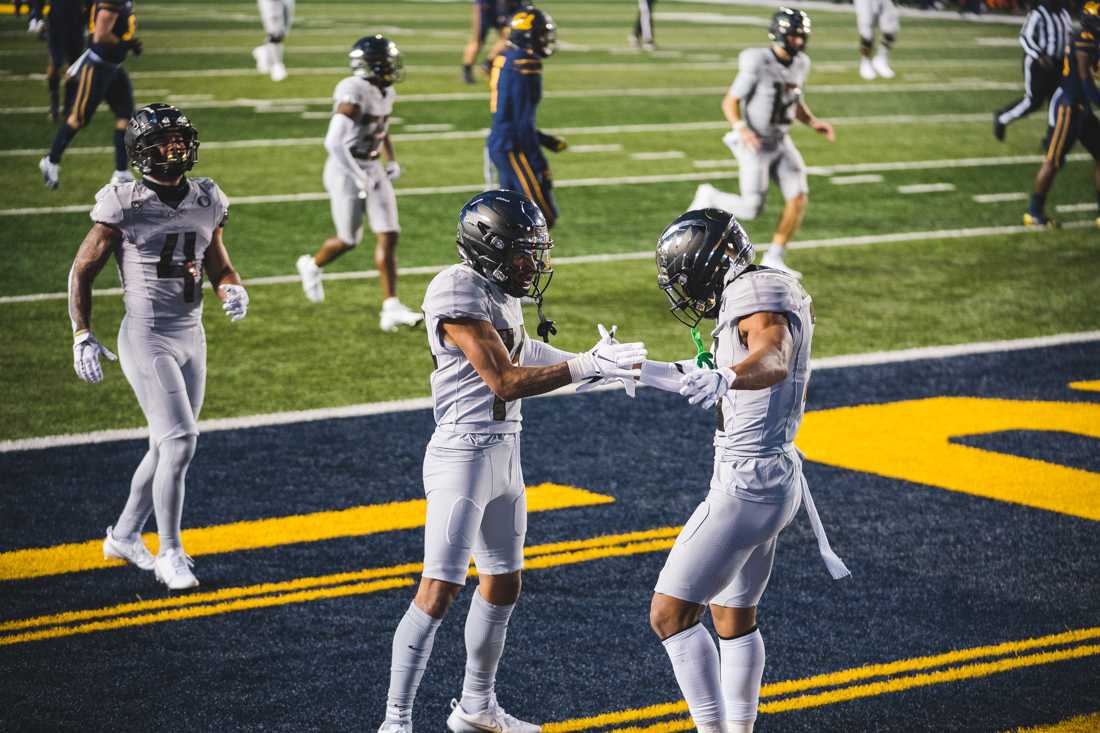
(933, 571)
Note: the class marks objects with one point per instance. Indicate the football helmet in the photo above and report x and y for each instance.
(696, 254)
(147, 136)
(787, 22)
(503, 236)
(376, 59)
(1090, 17)
(534, 30)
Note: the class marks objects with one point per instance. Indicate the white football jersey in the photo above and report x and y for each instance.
(375, 106)
(463, 403)
(758, 422)
(160, 258)
(768, 91)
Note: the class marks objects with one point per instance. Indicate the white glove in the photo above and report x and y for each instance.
(705, 387)
(393, 170)
(607, 359)
(86, 351)
(235, 304)
(629, 384)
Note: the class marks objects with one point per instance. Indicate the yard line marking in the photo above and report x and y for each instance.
(598, 148)
(852, 180)
(926, 188)
(658, 155)
(996, 198)
(424, 403)
(271, 532)
(830, 7)
(1067, 208)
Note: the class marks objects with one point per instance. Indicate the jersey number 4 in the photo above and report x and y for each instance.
(781, 107)
(187, 270)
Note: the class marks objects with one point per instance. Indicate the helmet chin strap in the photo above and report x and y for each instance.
(546, 327)
(703, 358)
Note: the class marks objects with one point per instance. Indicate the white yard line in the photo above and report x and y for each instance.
(658, 155)
(854, 180)
(912, 188)
(829, 7)
(1069, 208)
(424, 403)
(996, 198)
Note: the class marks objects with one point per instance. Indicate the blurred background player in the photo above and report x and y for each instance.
(642, 36)
(1071, 116)
(65, 24)
(354, 177)
(98, 75)
(277, 15)
(1044, 37)
(515, 89)
(869, 14)
(770, 83)
(487, 15)
(36, 21)
(165, 232)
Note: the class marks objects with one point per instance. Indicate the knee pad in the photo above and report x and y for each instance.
(865, 44)
(178, 452)
(276, 37)
(888, 39)
(752, 206)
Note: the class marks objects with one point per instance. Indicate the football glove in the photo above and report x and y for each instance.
(608, 359)
(629, 384)
(393, 170)
(86, 351)
(235, 304)
(551, 143)
(135, 45)
(705, 387)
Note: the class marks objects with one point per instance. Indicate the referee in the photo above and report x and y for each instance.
(1044, 37)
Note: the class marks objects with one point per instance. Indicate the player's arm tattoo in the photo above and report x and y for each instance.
(768, 338)
(482, 345)
(217, 265)
(93, 253)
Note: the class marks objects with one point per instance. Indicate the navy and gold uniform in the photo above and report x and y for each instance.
(101, 76)
(515, 92)
(494, 14)
(1071, 118)
(65, 31)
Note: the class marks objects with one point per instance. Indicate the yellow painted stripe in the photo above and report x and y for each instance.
(256, 534)
(1092, 386)
(1076, 724)
(617, 718)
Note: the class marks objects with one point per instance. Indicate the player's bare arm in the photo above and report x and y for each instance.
(1084, 73)
(93, 253)
(803, 114)
(102, 30)
(481, 344)
(768, 337)
(731, 108)
(224, 278)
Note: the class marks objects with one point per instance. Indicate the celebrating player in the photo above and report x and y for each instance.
(769, 85)
(485, 365)
(871, 13)
(276, 15)
(165, 231)
(358, 134)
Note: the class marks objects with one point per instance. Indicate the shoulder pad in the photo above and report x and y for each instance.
(757, 291)
(111, 203)
(348, 90)
(458, 292)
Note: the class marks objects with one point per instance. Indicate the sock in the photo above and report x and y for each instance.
(486, 629)
(742, 669)
(865, 46)
(777, 250)
(139, 505)
(412, 646)
(168, 488)
(1038, 203)
(696, 665)
(61, 140)
(467, 69)
(276, 52)
(887, 42)
(120, 150)
(54, 83)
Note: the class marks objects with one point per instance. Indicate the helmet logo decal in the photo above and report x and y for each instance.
(523, 21)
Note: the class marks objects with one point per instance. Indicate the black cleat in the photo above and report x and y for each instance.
(998, 128)
(468, 74)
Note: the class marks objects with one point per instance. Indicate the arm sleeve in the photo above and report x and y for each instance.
(1027, 36)
(746, 75)
(666, 375)
(108, 208)
(338, 142)
(537, 353)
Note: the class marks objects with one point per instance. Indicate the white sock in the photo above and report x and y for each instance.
(391, 302)
(139, 505)
(730, 202)
(695, 662)
(174, 456)
(412, 646)
(486, 629)
(742, 669)
(777, 250)
(275, 52)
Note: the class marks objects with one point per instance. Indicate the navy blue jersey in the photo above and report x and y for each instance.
(66, 11)
(1076, 90)
(125, 27)
(515, 91)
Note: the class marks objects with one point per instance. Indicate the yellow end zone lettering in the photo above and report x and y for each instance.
(909, 441)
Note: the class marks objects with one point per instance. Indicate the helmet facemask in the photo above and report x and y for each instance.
(379, 62)
(164, 146)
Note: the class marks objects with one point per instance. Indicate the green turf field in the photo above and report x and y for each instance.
(942, 287)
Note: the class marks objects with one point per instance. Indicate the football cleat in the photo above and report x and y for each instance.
(173, 568)
(998, 128)
(468, 74)
(51, 172)
(866, 70)
(132, 551)
(1039, 221)
(704, 193)
(278, 71)
(311, 279)
(493, 720)
(775, 261)
(882, 66)
(395, 314)
(122, 177)
(263, 59)
(393, 726)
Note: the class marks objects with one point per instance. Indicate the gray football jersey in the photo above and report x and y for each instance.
(763, 421)
(160, 258)
(375, 105)
(463, 403)
(769, 91)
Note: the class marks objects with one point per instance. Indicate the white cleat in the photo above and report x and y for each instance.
(396, 314)
(393, 726)
(278, 71)
(493, 720)
(122, 177)
(866, 70)
(311, 279)
(263, 59)
(51, 172)
(775, 261)
(882, 67)
(704, 194)
(173, 568)
(132, 551)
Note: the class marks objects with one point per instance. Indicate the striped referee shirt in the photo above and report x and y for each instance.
(1046, 32)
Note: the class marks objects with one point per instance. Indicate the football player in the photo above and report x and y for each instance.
(642, 35)
(487, 14)
(166, 233)
(485, 365)
(765, 97)
(1071, 116)
(871, 13)
(65, 22)
(515, 89)
(99, 75)
(358, 134)
(276, 15)
(764, 322)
